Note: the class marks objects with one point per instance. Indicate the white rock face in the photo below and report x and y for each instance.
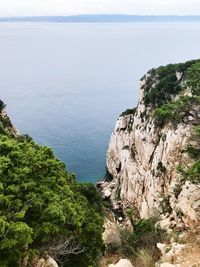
(143, 160)
(111, 232)
(169, 265)
(122, 263)
(47, 263)
(169, 251)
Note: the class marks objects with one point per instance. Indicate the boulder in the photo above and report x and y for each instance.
(122, 263)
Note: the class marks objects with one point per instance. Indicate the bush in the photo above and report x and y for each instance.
(166, 85)
(145, 259)
(128, 112)
(2, 105)
(165, 204)
(112, 248)
(175, 111)
(40, 204)
(193, 78)
(193, 152)
(144, 237)
(161, 167)
(193, 173)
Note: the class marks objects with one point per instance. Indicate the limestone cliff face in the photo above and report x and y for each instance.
(143, 157)
(6, 124)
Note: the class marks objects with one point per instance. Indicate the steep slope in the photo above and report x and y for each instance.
(43, 207)
(153, 155)
(6, 126)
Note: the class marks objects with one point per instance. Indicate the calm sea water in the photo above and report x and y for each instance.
(66, 84)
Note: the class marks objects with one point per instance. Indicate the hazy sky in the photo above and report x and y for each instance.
(69, 7)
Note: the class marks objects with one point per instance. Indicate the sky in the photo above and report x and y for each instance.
(75, 7)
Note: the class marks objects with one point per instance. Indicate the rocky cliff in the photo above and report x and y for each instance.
(6, 125)
(153, 153)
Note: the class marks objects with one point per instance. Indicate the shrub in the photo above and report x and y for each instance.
(197, 130)
(125, 148)
(193, 152)
(193, 78)
(40, 204)
(118, 193)
(177, 190)
(145, 259)
(174, 111)
(161, 167)
(2, 105)
(166, 85)
(193, 173)
(128, 112)
(165, 204)
(112, 247)
(144, 236)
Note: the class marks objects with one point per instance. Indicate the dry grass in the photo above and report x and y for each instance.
(144, 259)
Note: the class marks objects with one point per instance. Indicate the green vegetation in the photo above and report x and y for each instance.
(42, 205)
(166, 84)
(144, 237)
(2, 105)
(192, 173)
(165, 205)
(145, 259)
(125, 148)
(193, 152)
(193, 78)
(128, 112)
(117, 193)
(174, 111)
(161, 167)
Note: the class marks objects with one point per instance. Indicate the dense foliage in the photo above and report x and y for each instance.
(193, 78)
(175, 111)
(128, 112)
(40, 203)
(162, 84)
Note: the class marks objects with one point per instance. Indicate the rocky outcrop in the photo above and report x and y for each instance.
(50, 262)
(170, 251)
(144, 156)
(122, 263)
(6, 125)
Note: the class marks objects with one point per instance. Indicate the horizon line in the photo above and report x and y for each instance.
(102, 14)
(101, 18)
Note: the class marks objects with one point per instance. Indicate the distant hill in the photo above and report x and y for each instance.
(102, 19)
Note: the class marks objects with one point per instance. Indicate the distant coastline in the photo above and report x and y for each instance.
(102, 19)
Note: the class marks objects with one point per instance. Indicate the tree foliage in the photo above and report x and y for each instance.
(2, 105)
(41, 203)
(193, 78)
(128, 112)
(175, 111)
(192, 173)
(162, 83)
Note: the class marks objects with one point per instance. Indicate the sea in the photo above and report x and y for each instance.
(65, 84)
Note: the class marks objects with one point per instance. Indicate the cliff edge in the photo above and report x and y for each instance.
(154, 151)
